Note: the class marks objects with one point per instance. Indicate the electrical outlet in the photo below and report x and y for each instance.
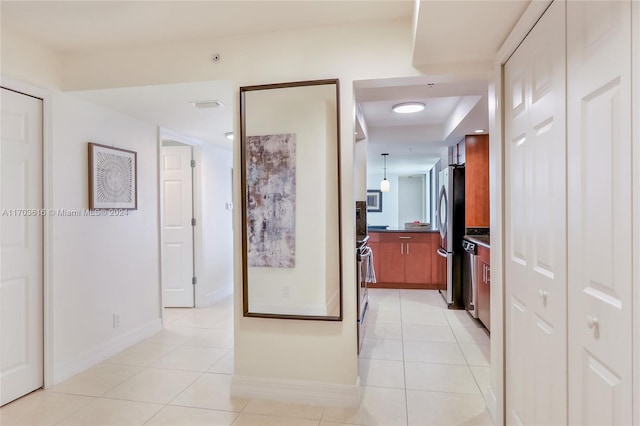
(229, 206)
(116, 320)
(285, 292)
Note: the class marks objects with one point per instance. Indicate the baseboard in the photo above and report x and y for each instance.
(296, 391)
(215, 296)
(105, 350)
(492, 405)
(407, 286)
(300, 309)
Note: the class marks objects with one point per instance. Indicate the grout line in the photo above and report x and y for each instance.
(404, 366)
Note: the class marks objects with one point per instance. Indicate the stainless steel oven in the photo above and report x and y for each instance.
(363, 256)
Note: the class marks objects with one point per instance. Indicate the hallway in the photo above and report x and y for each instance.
(420, 365)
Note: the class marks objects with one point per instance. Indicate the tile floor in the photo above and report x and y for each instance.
(420, 365)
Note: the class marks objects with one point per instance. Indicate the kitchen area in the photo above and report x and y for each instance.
(451, 255)
(424, 240)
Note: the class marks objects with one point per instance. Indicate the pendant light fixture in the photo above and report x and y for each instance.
(385, 185)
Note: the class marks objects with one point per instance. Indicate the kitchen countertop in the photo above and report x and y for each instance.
(416, 229)
(483, 240)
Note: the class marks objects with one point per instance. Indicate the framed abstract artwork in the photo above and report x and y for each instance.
(271, 186)
(112, 178)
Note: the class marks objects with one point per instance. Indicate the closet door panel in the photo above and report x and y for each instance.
(600, 212)
(535, 191)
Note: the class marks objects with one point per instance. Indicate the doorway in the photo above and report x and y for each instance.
(196, 205)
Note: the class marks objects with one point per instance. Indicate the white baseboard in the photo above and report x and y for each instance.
(492, 405)
(296, 391)
(299, 309)
(104, 350)
(214, 296)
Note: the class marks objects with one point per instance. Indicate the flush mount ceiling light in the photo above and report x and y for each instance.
(229, 135)
(207, 104)
(480, 130)
(408, 107)
(385, 185)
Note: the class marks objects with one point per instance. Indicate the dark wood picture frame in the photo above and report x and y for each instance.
(113, 178)
(374, 200)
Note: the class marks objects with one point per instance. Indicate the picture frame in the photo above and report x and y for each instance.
(374, 200)
(113, 178)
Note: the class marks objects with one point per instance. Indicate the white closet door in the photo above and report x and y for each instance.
(177, 231)
(21, 279)
(535, 234)
(600, 212)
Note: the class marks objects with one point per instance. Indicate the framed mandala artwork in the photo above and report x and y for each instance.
(112, 178)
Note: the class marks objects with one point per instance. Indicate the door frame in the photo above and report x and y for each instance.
(166, 134)
(46, 96)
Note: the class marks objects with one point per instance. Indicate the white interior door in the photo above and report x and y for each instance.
(600, 212)
(21, 265)
(535, 231)
(177, 231)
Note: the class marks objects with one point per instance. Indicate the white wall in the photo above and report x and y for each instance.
(445, 158)
(313, 351)
(360, 170)
(354, 52)
(411, 199)
(310, 351)
(101, 265)
(214, 257)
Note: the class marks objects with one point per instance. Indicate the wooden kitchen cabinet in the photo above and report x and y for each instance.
(484, 286)
(391, 262)
(417, 264)
(476, 181)
(405, 259)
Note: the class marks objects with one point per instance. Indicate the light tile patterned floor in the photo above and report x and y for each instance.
(420, 365)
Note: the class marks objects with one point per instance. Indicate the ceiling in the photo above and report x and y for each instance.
(83, 26)
(462, 32)
(473, 29)
(415, 142)
(171, 106)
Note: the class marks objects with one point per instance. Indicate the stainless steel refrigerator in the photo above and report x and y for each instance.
(451, 224)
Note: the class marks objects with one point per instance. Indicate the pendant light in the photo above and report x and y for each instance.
(385, 185)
